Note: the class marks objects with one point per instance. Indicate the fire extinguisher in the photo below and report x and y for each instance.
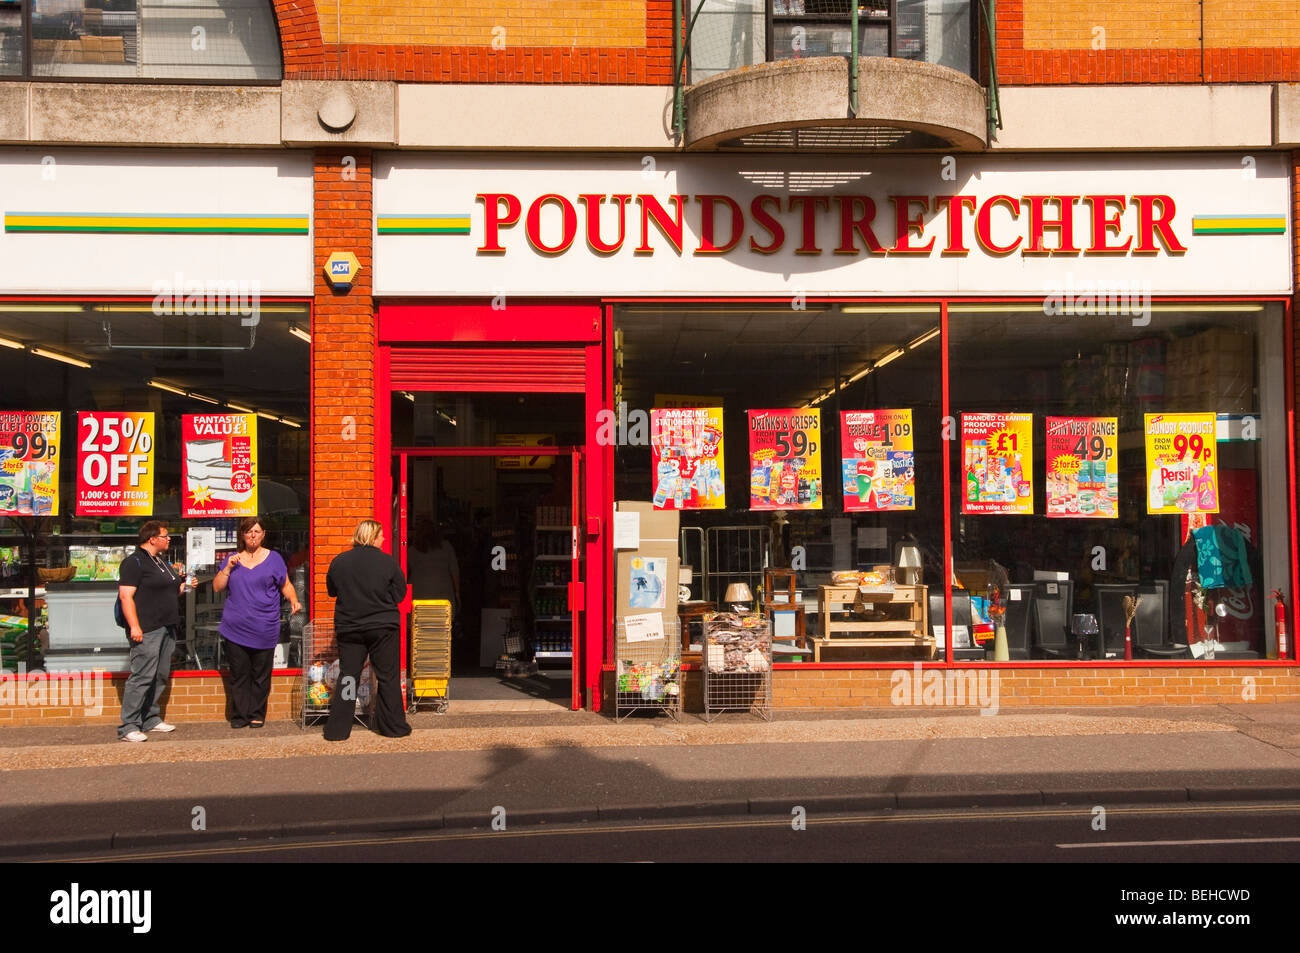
(1279, 624)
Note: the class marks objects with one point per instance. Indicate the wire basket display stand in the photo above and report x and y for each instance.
(320, 675)
(648, 672)
(737, 664)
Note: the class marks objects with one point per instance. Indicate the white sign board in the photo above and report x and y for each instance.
(870, 225)
(648, 627)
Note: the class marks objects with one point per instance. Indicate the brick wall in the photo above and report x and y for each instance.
(189, 699)
(343, 354)
(1127, 41)
(810, 689)
(459, 41)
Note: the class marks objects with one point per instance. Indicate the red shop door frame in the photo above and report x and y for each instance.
(502, 340)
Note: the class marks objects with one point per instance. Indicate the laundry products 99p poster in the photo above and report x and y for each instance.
(687, 459)
(29, 463)
(220, 464)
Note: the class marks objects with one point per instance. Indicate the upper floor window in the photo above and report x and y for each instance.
(223, 40)
(733, 33)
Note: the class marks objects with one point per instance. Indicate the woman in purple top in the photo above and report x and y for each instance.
(250, 620)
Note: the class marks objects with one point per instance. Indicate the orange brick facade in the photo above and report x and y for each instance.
(1045, 42)
(343, 356)
(513, 58)
(189, 699)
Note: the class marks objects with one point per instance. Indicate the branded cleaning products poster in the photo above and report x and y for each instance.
(877, 460)
(997, 463)
(29, 463)
(785, 460)
(686, 458)
(1182, 463)
(220, 464)
(114, 463)
(1082, 467)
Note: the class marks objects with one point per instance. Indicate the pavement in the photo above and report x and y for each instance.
(79, 789)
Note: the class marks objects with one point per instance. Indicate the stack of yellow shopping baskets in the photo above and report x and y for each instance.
(430, 652)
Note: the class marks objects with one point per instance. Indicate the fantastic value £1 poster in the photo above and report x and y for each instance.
(686, 458)
(785, 460)
(997, 463)
(1082, 467)
(29, 463)
(220, 464)
(877, 460)
(1182, 463)
(114, 463)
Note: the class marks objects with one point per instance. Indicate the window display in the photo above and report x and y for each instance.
(1178, 479)
(123, 386)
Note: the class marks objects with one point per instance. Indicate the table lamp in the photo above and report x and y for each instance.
(739, 597)
(908, 556)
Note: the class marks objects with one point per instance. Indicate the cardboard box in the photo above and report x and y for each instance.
(638, 571)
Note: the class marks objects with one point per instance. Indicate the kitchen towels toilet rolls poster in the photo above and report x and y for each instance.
(220, 464)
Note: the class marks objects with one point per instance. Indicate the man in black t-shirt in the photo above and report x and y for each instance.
(148, 588)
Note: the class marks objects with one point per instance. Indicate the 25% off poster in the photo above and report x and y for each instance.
(115, 463)
(1082, 468)
(1182, 463)
(29, 463)
(785, 460)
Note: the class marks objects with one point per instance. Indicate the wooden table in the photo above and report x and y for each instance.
(906, 628)
(686, 614)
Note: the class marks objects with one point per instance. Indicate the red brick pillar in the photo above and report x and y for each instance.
(343, 357)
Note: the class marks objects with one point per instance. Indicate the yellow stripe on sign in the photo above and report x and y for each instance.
(1251, 222)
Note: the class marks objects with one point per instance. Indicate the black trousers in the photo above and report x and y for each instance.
(386, 661)
(250, 682)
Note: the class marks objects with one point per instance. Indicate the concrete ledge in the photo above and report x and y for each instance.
(1132, 118)
(108, 114)
(1286, 115)
(306, 106)
(14, 112)
(806, 93)
(490, 116)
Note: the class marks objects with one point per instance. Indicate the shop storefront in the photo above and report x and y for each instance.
(155, 328)
(1059, 384)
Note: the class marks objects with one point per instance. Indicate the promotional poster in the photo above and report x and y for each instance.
(686, 458)
(220, 464)
(877, 460)
(29, 463)
(997, 464)
(785, 461)
(1082, 467)
(115, 463)
(1182, 463)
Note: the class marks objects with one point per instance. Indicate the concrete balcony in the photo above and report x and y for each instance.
(803, 105)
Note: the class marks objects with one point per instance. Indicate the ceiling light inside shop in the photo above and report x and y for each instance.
(890, 309)
(16, 345)
(167, 387)
(927, 336)
(9, 306)
(240, 408)
(299, 333)
(62, 358)
(893, 355)
(289, 423)
(202, 397)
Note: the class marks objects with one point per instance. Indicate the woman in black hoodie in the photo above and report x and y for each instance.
(368, 585)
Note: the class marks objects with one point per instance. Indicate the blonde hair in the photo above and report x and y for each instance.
(367, 532)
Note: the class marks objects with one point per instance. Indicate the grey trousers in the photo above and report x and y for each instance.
(151, 666)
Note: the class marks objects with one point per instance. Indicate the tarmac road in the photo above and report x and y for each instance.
(1139, 833)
